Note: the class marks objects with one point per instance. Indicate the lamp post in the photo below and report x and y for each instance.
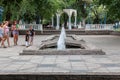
(1, 12)
(89, 16)
(23, 13)
(105, 17)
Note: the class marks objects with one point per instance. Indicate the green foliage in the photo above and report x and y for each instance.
(98, 12)
(113, 7)
(29, 10)
(10, 8)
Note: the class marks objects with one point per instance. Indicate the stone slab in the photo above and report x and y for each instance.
(64, 52)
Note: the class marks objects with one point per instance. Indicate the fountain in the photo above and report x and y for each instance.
(63, 45)
(61, 42)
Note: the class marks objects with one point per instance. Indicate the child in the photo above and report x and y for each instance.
(27, 39)
(32, 33)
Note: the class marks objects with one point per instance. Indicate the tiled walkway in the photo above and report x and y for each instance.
(12, 62)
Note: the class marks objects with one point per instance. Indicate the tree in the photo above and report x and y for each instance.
(82, 7)
(98, 12)
(113, 7)
(27, 10)
(46, 8)
(11, 8)
(31, 10)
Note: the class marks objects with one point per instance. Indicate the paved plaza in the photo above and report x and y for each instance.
(12, 62)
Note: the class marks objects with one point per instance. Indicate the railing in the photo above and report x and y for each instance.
(88, 26)
(99, 27)
(116, 27)
(27, 26)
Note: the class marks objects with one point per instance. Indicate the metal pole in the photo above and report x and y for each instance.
(0, 16)
(105, 20)
(1, 12)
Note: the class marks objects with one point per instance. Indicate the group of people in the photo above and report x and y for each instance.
(14, 29)
(4, 34)
(29, 37)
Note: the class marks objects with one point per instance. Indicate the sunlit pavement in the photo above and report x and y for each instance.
(12, 62)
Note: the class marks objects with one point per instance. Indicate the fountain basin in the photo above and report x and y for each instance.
(63, 52)
(73, 47)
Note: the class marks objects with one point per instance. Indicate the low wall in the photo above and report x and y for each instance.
(77, 32)
(115, 33)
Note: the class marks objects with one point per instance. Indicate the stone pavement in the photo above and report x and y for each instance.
(12, 62)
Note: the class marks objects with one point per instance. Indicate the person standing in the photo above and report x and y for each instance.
(15, 32)
(2, 35)
(1, 32)
(6, 33)
(27, 39)
(32, 34)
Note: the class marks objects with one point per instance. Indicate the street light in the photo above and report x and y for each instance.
(105, 17)
(1, 12)
(90, 13)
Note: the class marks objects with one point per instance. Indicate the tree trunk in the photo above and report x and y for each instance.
(8, 16)
(37, 19)
(83, 22)
(41, 20)
(65, 20)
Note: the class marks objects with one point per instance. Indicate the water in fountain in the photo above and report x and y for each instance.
(61, 42)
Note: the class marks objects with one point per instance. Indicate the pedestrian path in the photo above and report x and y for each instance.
(12, 62)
